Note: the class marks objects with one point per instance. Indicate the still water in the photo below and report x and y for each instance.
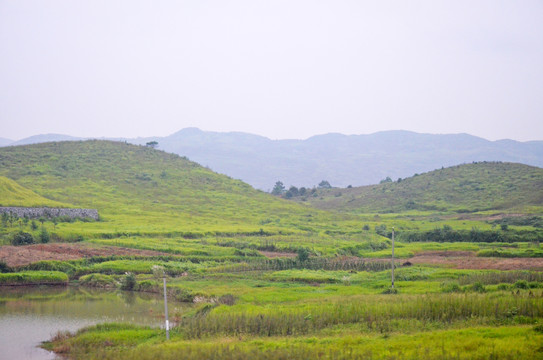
(29, 316)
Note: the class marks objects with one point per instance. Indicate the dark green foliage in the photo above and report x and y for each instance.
(33, 225)
(478, 287)
(324, 185)
(44, 236)
(302, 254)
(451, 287)
(521, 284)
(22, 238)
(128, 282)
(4, 268)
(278, 188)
(386, 180)
(390, 290)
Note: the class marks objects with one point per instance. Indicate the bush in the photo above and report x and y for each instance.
(521, 284)
(4, 268)
(303, 254)
(128, 282)
(44, 236)
(22, 238)
(503, 287)
(478, 287)
(390, 290)
(451, 287)
(98, 280)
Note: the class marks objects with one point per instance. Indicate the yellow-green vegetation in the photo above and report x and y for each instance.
(34, 278)
(13, 194)
(463, 188)
(300, 312)
(327, 294)
(139, 190)
(511, 342)
(497, 325)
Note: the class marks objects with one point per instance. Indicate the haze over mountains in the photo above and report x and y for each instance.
(340, 159)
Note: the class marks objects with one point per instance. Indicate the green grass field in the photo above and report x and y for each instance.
(213, 234)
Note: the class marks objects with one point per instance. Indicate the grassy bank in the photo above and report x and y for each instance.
(34, 278)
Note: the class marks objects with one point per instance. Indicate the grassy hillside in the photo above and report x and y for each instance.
(462, 188)
(13, 194)
(136, 188)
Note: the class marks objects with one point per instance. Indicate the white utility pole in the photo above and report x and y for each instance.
(393, 258)
(166, 309)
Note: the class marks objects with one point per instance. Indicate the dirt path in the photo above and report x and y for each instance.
(468, 260)
(15, 256)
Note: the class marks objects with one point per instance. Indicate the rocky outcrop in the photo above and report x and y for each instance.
(34, 213)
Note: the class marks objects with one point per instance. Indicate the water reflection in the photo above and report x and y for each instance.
(29, 316)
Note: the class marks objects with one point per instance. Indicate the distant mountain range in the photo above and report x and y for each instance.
(340, 159)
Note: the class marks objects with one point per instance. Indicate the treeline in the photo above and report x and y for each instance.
(447, 234)
(279, 189)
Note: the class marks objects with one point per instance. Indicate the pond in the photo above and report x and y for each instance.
(29, 316)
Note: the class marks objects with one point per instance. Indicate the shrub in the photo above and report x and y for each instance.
(303, 254)
(4, 268)
(128, 282)
(503, 287)
(44, 236)
(390, 290)
(451, 287)
(478, 287)
(521, 284)
(22, 238)
(98, 280)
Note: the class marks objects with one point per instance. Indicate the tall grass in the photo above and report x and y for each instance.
(381, 313)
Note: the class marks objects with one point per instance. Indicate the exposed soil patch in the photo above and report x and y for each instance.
(15, 256)
(468, 260)
(272, 254)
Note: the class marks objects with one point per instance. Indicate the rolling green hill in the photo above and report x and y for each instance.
(139, 189)
(13, 194)
(462, 188)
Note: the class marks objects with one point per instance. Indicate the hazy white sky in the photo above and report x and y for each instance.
(278, 68)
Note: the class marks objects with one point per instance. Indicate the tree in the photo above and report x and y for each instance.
(292, 191)
(278, 189)
(152, 144)
(44, 236)
(128, 282)
(386, 180)
(324, 185)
